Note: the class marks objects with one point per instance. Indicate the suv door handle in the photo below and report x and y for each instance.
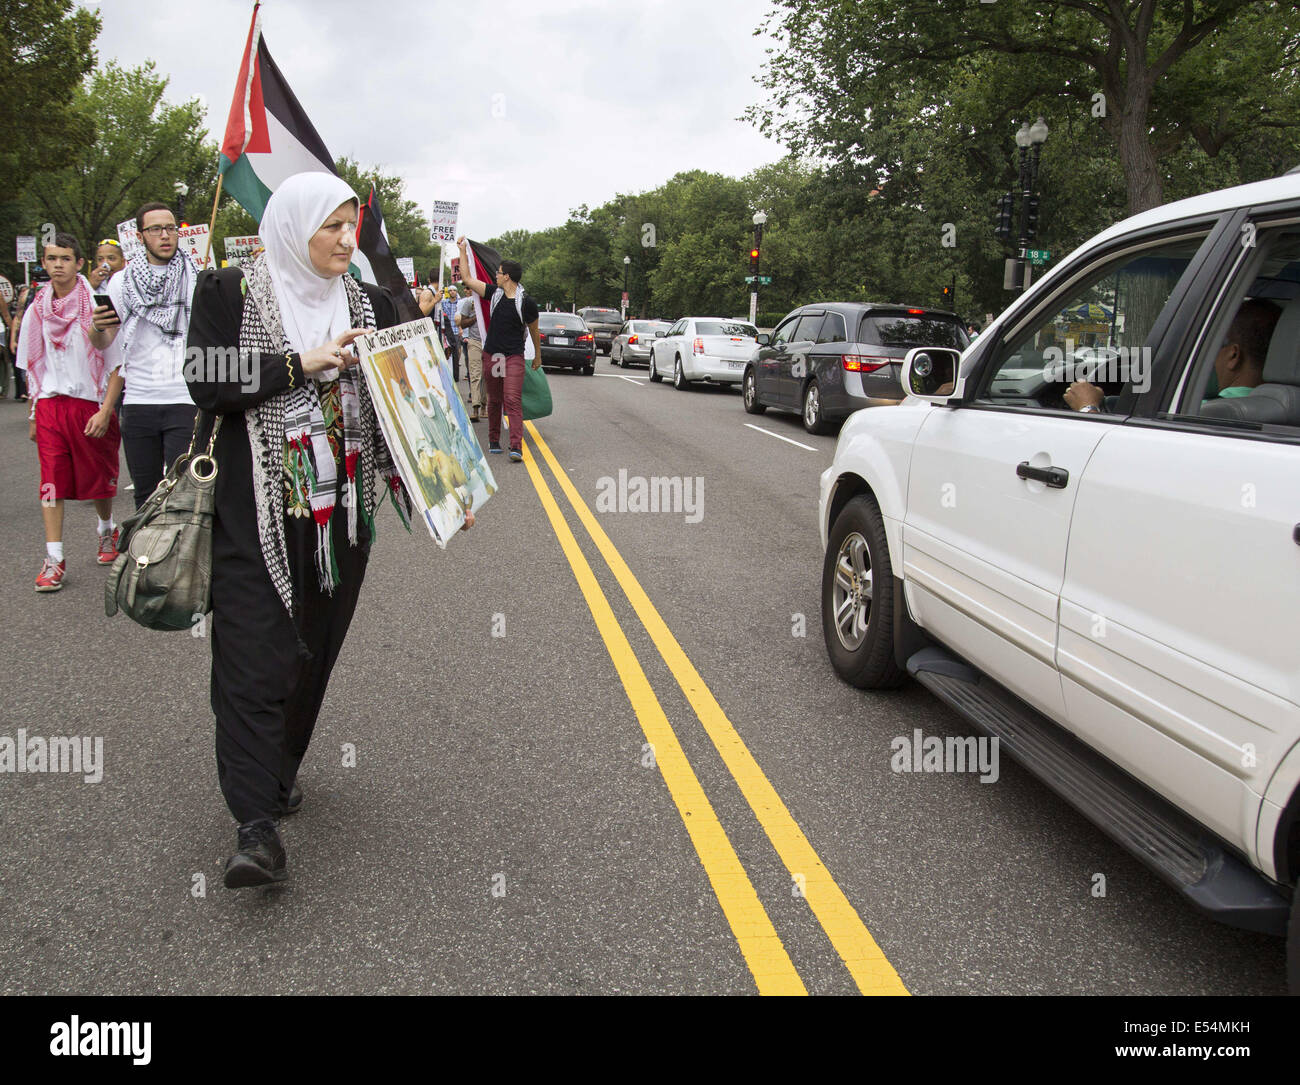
(1053, 477)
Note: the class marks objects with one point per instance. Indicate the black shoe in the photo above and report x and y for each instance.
(295, 801)
(260, 859)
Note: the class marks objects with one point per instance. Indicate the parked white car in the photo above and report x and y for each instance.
(713, 349)
(1113, 592)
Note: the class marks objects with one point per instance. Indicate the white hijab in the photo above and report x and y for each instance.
(313, 307)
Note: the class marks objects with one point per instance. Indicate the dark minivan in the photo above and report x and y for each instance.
(833, 358)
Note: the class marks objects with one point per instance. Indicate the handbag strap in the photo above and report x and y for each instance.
(195, 442)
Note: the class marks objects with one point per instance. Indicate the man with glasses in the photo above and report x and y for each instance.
(149, 321)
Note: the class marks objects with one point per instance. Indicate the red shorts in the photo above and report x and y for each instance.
(73, 466)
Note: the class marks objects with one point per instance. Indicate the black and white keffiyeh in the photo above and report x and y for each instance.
(161, 294)
(270, 428)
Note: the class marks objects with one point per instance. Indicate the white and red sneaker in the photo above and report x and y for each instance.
(108, 547)
(51, 578)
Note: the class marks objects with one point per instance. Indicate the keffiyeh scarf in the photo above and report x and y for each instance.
(59, 319)
(289, 441)
(160, 294)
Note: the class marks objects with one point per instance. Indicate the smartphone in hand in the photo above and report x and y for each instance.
(103, 301)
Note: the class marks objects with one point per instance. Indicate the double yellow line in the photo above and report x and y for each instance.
(761, 946)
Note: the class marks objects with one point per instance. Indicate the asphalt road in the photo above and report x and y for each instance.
(505, 828)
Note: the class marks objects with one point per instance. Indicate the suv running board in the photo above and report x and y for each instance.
(1179, 850)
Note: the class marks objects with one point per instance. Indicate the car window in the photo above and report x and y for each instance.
(717, 327)
(907, 330)
(677, 328)
(785, 330)
(809, 325)
(832, 329)
(1246, 366)
(562, 320)
(1094, 330)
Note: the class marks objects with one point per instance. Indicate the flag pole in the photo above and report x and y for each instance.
(212, 222)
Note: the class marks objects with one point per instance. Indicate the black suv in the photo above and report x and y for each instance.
(604, 323)
(833, 358)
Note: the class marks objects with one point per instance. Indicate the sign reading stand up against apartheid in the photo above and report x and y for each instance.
(443, 221)
(425, 425)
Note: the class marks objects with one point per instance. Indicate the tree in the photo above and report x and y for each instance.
(145, 146)
(46, 47)
(1156, 75)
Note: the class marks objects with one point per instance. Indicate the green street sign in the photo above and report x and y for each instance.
(1038, 257)
(766, 280)
(749, 278)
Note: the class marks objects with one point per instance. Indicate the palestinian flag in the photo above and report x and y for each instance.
(269, 138)
(485, 260)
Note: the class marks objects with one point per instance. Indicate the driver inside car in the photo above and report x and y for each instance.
(1238, 365)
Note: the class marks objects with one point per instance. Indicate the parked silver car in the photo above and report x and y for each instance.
(703, 348)
(634, 340)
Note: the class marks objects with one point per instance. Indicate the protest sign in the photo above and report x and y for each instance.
(425, 426)
(443, 221)
(406, 264)
(27, 249)
(6, 289)
(194, 240)
(129, 236)
(241, 250)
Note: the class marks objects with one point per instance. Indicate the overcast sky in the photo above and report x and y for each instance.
(597, 97)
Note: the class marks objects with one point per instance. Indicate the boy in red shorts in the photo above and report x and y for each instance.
(66, 380)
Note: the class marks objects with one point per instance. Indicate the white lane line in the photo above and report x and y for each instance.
(780, 438)
(630, 380)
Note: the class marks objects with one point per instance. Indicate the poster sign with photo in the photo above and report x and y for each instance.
(425, 425)
(241, 250)
(406, 265)
(442, 223)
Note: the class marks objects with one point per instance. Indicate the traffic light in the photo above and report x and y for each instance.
(948, 298)
(1006, 209)
(753, 260)
(1031, 218)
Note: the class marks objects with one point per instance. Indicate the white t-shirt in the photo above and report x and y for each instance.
(155, 371)
(64, 372)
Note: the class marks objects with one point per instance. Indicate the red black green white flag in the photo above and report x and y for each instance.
(269, 138)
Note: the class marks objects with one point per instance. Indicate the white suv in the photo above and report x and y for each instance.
(1114, 592)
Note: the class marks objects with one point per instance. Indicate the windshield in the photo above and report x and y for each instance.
(646, 327)
(716, 327)
(905, 330)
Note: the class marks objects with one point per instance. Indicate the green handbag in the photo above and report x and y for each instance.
(537, 392)
(162, 576)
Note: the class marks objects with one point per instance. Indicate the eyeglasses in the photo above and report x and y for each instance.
(158, 231)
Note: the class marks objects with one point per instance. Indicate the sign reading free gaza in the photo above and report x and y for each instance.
(443, 221)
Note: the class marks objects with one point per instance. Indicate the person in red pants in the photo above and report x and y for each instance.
(66, 378)
(510, 311)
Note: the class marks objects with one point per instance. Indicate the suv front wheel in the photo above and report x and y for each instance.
(749, 393)
(858, 598)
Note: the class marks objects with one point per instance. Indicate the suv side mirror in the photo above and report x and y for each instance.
(764, 339)
(930, 373)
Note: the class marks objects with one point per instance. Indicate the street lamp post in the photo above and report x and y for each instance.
(1029, 140)
(182, 190)
(627, 264)
(759, 220)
